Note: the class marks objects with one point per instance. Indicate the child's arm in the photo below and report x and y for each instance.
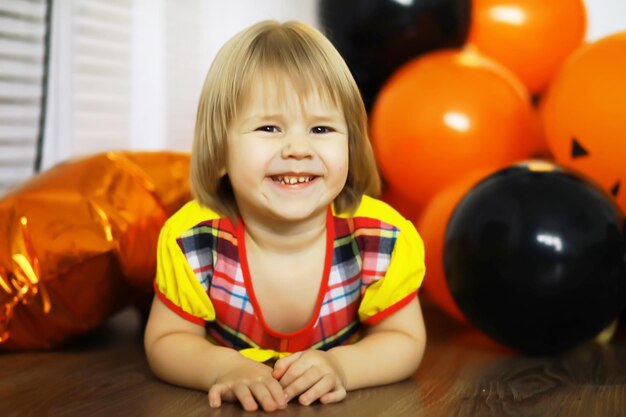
(391, 351)
(179, 353)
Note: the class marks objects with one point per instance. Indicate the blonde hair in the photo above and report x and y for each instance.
(311, 63)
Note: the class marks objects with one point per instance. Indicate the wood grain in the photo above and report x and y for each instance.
(463, 374)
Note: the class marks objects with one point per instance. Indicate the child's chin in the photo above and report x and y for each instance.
(293, 214)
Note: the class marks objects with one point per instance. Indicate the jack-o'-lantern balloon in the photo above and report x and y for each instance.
(584, 114)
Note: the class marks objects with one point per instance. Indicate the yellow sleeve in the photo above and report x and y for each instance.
(402, 279)
(176, 284)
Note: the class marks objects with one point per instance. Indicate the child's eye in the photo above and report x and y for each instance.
(322, 129)
(268, 129)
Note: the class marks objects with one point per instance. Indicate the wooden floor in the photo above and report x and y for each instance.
(463, 374)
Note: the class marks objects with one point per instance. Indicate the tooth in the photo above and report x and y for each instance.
(291, 180)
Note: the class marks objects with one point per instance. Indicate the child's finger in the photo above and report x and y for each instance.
(215, 394)
(277, 392)
(281, 365)
(265, 397)
(325, 385)
(245, 397)
(334, 396)
(302, 383)
(296, 370)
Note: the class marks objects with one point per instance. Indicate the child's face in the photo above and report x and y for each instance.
(287, 156)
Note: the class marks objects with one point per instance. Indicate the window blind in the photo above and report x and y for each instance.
(101, 75)
(22, 60)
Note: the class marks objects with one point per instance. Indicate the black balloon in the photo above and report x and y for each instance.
(534, 257)
(375, 37)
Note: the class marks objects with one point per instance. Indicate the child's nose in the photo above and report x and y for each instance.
(296, 146)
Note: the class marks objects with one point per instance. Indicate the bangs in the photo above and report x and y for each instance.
(279, 92)
(285, 60)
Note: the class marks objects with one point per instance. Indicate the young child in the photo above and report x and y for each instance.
(282, 278)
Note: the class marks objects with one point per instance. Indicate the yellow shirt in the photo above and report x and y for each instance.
(374, 265)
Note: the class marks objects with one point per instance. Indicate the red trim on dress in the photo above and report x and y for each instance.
(381, 315)
(179, 311)
(245, 269)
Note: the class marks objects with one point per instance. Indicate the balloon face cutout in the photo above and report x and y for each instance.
(583, 156)
(584, 115)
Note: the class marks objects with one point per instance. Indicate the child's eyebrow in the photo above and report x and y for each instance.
(331, 113)
(328, 118)
(263, 116)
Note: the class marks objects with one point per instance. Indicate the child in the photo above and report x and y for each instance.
(282, 279)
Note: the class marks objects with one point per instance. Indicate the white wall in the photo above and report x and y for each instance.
(217, 21)
(174, 47)
(605, 17)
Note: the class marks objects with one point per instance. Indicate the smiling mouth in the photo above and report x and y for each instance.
(292, 180)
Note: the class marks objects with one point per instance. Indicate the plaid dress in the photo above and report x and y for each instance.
(374, 266)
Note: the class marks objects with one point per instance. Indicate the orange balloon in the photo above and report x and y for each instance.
(398, 201)
(530, 37)
(432, 226)
(584, 114)
(79, 243)
(444, 114)
(539, 148)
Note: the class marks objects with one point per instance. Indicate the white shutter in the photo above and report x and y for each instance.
(22, 45)
(101, 75)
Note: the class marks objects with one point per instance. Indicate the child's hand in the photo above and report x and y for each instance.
(313, 373)
(251, 383)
